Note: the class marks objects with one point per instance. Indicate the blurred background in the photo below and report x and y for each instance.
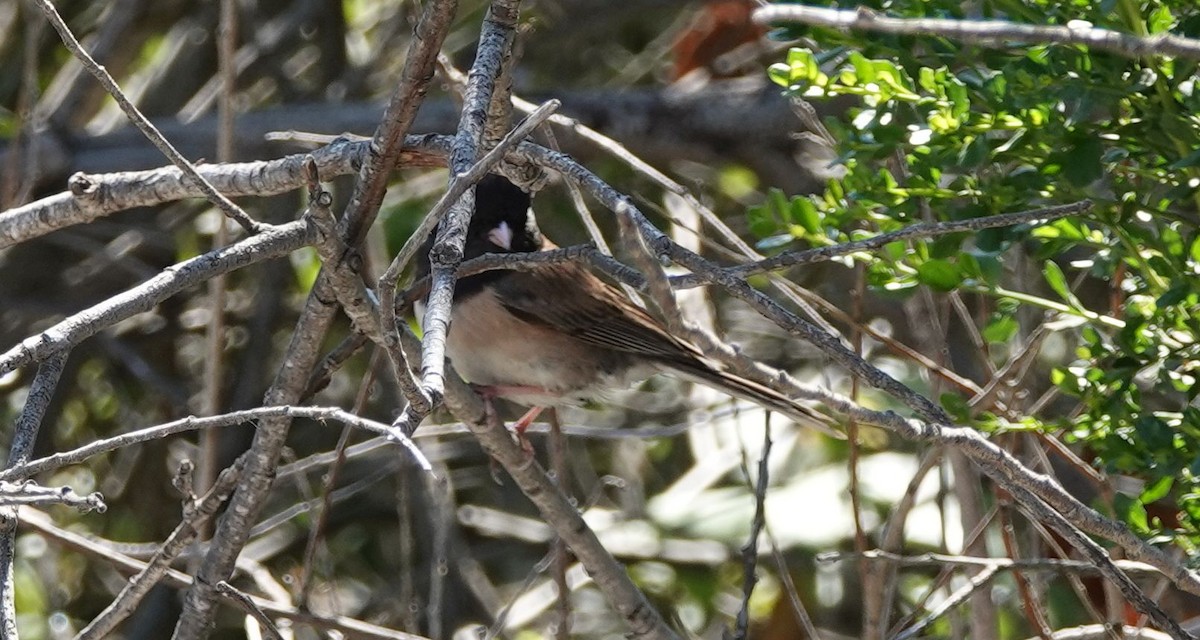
(664, 472)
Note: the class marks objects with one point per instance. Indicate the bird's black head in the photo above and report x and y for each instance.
(502, 222)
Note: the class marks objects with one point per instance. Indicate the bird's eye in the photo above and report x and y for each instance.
(502, 236)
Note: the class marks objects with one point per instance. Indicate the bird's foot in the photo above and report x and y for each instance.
(522, 424)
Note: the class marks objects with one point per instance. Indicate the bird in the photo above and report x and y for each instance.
(558, 334)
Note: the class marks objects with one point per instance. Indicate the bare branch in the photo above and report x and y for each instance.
(939, 560)
(996, 33)
(271, 243)
(919, 230)
(1032, 504)
(750, 549)
(14, 494)
(643, 620)
(977, 582)
(224, 204)
(93, 196)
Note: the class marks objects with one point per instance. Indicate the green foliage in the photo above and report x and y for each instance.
(943, 130)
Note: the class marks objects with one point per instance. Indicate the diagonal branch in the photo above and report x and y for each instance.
(271, 243)
(996, 462)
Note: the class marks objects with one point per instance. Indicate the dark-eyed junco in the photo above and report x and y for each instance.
(558, 334)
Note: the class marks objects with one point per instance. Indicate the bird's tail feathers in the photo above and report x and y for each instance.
(757, 393)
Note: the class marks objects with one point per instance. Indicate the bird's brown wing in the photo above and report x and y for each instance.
(570, 299)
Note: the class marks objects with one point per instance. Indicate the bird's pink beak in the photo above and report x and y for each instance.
(502, 236)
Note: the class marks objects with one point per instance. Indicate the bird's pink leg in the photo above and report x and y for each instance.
(524, 421)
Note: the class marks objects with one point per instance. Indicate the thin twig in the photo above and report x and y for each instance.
(191, 423)
(643, 620)
(1033, 506)
(143, 124)
(348, 627)
(41, 392)
(21, 167)
(559, 553)
(317, 531)
(874, 583)
(789, 587)
(919, 230)
(217, 287)
(195, 514)
(1035, 614)
(750, 549)
(32, 494)
(973, 586)
(939, 560)
(245, 603)
(892, 537)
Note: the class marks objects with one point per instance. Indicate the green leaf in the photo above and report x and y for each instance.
(761, 222)
(939, 274)
(1160, 19)
(1157, 490)
(1174, 295)
(956, 406)
(863, 69)
(780, 74)
(1132, 511)
(1058, 282)
(1153, 432)
(1000, 329)
(804, 213)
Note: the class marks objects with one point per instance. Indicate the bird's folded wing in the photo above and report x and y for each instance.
(570, 299)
